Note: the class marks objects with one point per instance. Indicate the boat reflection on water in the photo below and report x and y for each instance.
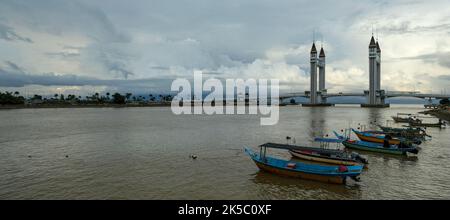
(280, 187)
(317, 122)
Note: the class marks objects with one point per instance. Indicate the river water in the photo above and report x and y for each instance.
(143, 153)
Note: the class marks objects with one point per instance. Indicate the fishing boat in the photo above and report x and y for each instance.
(330, 156)
(400, 149)
(399, 119)
(410, 131)
(375, 138)
(325, 173)
(416, 139)
(421, 124)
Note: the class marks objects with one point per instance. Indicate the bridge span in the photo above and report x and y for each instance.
(388, 94)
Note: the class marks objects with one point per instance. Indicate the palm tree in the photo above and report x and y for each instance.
(16, 93)
(128, 95)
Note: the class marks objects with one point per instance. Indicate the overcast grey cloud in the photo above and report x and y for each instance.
(106, 41)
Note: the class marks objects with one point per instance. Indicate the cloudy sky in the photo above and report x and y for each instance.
(140, 46)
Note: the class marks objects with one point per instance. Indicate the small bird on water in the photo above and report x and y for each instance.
(193, 156)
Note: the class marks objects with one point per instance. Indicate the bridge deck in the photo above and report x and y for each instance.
(387, 95)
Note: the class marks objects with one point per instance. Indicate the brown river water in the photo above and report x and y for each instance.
(143, 153)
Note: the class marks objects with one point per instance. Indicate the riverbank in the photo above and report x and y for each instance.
(104, 105)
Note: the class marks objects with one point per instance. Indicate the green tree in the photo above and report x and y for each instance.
(118, 98)
(128, 96)
(8, 98)
(37, 97)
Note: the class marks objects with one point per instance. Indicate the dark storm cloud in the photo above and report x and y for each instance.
(441, 58)
(407, 27)
(20, 79)
(60, 17)
(13, 66)
(444, 77)
(8, 33)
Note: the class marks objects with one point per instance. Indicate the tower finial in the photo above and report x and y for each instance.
(321, 41)
(314, 36)
(376, 32)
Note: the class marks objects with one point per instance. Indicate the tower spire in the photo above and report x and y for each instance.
(372, 29)
(376, 32)
(321, 41)
(322, 52)
(314, 36)
(313, 48)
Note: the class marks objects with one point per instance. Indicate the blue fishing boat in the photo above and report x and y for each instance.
(324, 173)
(377, 147)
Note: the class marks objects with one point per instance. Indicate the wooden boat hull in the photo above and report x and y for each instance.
(323, 173)
(322, 159)
(400, 119)
(407, 136)
(356, 146)
(292, 173)
(376, 139)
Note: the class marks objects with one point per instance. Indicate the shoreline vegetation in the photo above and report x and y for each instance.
(13, 100)
(10, 100)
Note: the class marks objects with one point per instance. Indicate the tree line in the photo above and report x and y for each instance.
(14, 98)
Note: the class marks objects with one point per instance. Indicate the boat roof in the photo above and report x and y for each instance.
(296, 147)
(281, 146)
(328, 140)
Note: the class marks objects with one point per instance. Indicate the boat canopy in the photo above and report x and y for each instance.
(328, 140)
(300, 148)
(281, 146)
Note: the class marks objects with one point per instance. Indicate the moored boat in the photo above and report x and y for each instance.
(405, 132)
(406, 135)
(375, 138)
(400, 149)
(410, 117)
(330, 156)
(416, 139)
(398, 119)
(325, 173)
(421, 124)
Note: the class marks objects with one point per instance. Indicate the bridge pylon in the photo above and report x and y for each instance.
(317, 96)
(375, 96)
